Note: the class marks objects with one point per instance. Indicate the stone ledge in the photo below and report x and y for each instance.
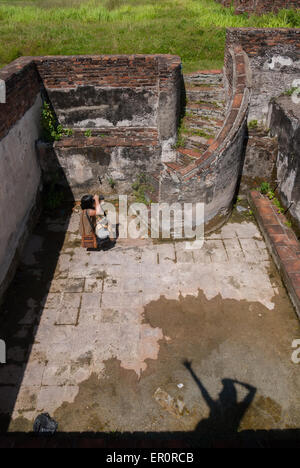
(281, 242)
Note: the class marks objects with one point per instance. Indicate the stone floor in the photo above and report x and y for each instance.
(149, 336)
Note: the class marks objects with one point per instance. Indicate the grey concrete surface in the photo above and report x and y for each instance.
(150, 336)
(20, 179)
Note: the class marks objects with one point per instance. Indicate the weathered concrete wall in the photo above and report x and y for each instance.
(95, 107)
(115, 91)
(19, 167)
(274, 58)
(129, 104)
(259, 7)
(118, 154)
(261, 154)
(284, 122)
(20, 180)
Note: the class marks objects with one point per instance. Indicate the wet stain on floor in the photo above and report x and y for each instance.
(204, 363)
(224, 359)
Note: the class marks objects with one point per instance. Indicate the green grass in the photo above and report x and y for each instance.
(192, 29)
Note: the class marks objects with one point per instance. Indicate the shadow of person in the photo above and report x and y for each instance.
(226, 413)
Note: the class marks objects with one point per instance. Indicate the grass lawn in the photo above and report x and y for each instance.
(192, 29)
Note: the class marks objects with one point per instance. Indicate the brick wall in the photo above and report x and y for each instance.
(107, 70)
(257, 42)
(274, 57)
(22, 84)
(25, 77)
(260, 6)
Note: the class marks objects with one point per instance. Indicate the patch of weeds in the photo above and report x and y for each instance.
(291, 17)
(264, 188)
(205, 117)
(288, 224)
(51, 129)
(290, 91)
(277, 203)
(198, 132)
(253, 124)
(88, 133)
(111, 182)
(141, 186)
(180, 141)
(68, 132)
(189, 115)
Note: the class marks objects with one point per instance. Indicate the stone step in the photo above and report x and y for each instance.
(205, 111)
(212, 94)
(205, 131)
(205, 124)
(175, 166)
(193, 154)
(190, 131)
(204, 77)
(196, 143)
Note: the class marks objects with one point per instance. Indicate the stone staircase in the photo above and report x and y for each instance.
(203, 118)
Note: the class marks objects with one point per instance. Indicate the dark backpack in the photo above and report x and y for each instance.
(44, 423)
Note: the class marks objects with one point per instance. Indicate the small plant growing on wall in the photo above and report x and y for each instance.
(111, 182)
(253, 124)
(52, 131)
(141, 187)
(49, 124)
(88, 133)
(67, 131)
(266, 189)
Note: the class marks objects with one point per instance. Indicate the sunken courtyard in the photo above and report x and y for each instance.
(150, 337)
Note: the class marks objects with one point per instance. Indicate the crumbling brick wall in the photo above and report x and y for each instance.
(259, 7)
(130, 106)
(274, 57)
(22, 85)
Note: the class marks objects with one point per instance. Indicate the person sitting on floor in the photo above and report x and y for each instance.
(93, 220)
(87, 222)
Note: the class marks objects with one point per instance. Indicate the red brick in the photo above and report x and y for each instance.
(266, 210)
(237, 100)
(255, 194)
(292, 266)
(295, 279)
(285, 252)
(274, 229)
(279, 239)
